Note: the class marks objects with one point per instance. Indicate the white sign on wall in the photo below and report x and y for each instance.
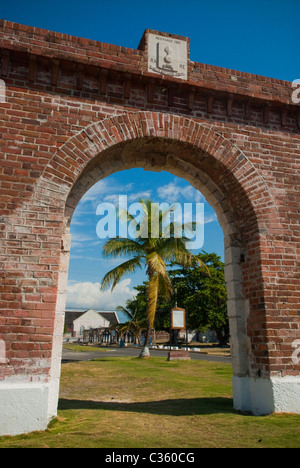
(167, 56)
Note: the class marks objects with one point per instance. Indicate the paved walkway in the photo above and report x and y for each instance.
(69, 355)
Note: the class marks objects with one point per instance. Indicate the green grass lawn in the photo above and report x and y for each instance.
(134, 403)
(85, 349)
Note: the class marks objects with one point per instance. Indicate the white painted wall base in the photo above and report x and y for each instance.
(265, 396)
(23, 407)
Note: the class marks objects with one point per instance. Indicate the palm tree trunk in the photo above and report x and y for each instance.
(151, 310)
(145, 353)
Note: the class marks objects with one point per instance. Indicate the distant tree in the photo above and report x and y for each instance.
(162, 317)
(204, 295)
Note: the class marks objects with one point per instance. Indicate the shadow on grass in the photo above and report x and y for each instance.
(180, 407)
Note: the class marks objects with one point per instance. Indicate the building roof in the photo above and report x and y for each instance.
(112, 316)
(70, 316)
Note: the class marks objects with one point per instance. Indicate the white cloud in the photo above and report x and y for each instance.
(173, 192)
(104, 189)
(210, 218)
(136, 197)
(133, 197)
(89, 295)
(80, 239)
(113, 198)
(107, 190)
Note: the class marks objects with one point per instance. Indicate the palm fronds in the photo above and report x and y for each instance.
(113, 277)
(159, 241)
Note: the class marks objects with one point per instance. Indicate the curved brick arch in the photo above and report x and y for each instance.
(72, 159)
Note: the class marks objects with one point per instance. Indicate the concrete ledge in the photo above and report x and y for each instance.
(179, 356)
(23, 408)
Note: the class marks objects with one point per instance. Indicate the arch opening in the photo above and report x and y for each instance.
(213, 180)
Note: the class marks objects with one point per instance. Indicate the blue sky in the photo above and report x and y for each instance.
(259, 37)
(87, 265)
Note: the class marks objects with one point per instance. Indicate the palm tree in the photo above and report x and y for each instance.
(136, 323)
(155, 245)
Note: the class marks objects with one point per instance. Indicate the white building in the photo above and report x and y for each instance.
(90, 319)
(78, 321)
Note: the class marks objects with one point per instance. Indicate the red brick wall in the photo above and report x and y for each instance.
(74, 105)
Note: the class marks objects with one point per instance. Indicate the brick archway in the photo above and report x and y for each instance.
(228, 180)
(76, 111)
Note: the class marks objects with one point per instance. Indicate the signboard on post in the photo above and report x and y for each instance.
(178, 319)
